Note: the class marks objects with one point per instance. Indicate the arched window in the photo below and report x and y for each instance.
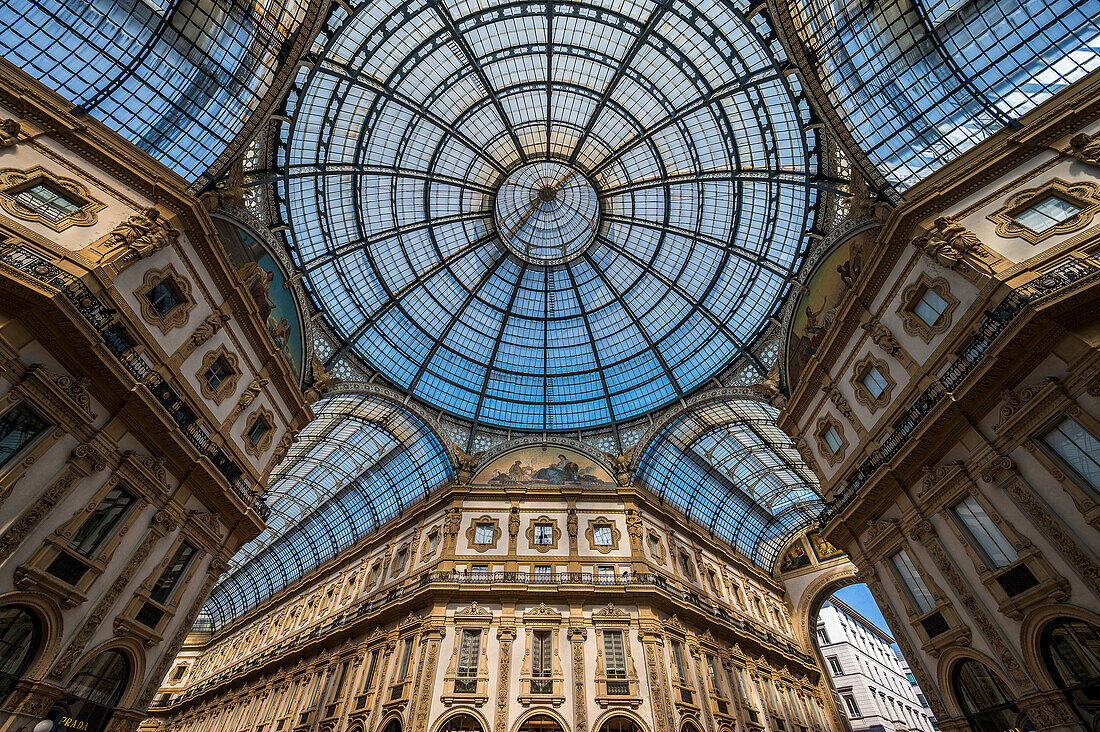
(20, 637)
(461, 723)
(393, 726)
(95, 690)
(1071, 652)
(620, 724)
(540, 723)
(984, 699)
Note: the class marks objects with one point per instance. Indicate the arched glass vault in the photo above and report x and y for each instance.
(361, 462)
(730, 469)
(678, 117)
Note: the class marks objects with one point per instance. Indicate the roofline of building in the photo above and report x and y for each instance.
(847, 609)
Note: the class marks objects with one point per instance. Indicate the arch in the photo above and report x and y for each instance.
(106, 679)
(391, 723)
(520, 724)
(135, 656)
(52, 624)
(981, 694)
(1070, 650)
(1031, 631)
(444, 720)
(20, 644)
(690, 725)
(612, 714)
(461, 720)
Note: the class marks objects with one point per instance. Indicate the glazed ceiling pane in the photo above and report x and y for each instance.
(177, 78)
(919, 82)
(547, 216)
(731, 470)
(361, 462)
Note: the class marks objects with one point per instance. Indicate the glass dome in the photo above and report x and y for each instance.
(178, 78)
(916, 83)
(547, 216)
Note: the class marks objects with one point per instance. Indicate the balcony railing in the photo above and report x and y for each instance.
(996, 321)
(426, 580)
(123, 348)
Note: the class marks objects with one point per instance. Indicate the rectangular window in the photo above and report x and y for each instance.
(822, 635)
(374, 572)
(874, 382)
(1078, 448)
(481, 570)
(542, 572)
(95, 530)
(215, 374)
(372, 667)
(406, 657)
(540, 654)
(605, 575)
(984, 532)
(433, 541)
(832, 439)
(712, 580)
(614, 654)
(601, 535)
(164, 297)
(850, 703)
(685, 565)
(678, 661)
(468, 653)
(257, 431)
(178, 673)
(544, 534)
(907, 573)
(47, 201)
(483, 533)
(834, 664)
(654, 545)
(18, 428)
(162, 590)
(712, 671)
(1044, 214)
(930, 307)
(399, 561)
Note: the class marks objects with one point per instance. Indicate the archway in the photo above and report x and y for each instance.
(1070, 649)
(984, 700)
(394, 725)
(20, 639)
(540, 723)
(460, 722)
(620, 723)
(95, 691)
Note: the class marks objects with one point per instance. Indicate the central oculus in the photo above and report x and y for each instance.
(547, 213)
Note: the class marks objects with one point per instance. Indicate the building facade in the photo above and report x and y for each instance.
(142, 405)
(875, 691)
(570, 610)
(947, 397)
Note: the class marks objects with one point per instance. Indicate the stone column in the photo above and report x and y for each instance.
(505, 634)
(650, 636)
(577, 635)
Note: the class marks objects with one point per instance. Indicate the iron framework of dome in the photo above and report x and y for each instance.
(679, 120)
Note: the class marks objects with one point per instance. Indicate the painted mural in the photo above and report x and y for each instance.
(823, 549)
(550, 465)
(818, 308)
(266, 284)
(796, 558)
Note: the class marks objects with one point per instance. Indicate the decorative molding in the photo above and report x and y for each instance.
(823, 425)
(912, 322)
(180, 313)
(1084, 195)
(863, 395)
(13, 181)
(204, 331)
(244, 401)
(134, 239)
(229, 383)
(471, 533)
(590, 534)
(258, 449)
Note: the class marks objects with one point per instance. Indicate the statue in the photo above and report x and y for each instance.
(769, 387)
(206, 330)
(248, 396)
(621, 465)
(947, 242)
(230, 193)
(862, 201)
(9, 132)
(882, 337)
(1085, 148)
(322, 380)
(137, 237)
(466, 464)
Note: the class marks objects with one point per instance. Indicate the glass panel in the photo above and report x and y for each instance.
(601, 536)
(544, 534)
(483, 534)
(982, 530)
(48, 201)
(20, 634)
(18, 427)
(930, 307)
(1077, 446)
(257, 431)
(468, 652)
(1046, 213)
(540, 654)
(103, 680)
(911, 579)
(875, 382)
(163, 297)
(101, 524)
(614, 654)
(216, 374)
(162, 590)
(832, 439)
(1071, 650)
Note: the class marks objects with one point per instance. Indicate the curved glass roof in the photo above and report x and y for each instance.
(919, 82)
(359, 463)
(178, 78)
(677, 114)
(730, 469)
